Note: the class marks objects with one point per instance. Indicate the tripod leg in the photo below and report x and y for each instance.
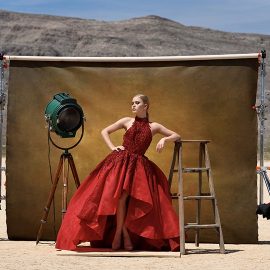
(65, 181)
(64, 189)
(74, 171)
(266, 180)
(49, 202)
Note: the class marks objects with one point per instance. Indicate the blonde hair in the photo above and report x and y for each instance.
(145, 100)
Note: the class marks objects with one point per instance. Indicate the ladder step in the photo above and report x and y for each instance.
(199, 198)
(201, 226)
(194, 170)
(203, 196)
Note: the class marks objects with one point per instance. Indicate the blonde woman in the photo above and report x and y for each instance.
(125, 202)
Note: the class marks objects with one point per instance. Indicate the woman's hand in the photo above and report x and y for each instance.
(118, 148)
(160, 145)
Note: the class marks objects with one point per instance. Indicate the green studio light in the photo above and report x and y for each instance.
(64, 115)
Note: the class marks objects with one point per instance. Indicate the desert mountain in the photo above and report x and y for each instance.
(28, 34)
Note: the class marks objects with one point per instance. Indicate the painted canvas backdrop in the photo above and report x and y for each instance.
(208, 99)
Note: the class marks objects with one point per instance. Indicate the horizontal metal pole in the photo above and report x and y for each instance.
(132, 59)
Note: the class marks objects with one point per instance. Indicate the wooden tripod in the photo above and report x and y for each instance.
(61, 168)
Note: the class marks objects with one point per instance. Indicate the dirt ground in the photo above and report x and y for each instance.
(28, 255)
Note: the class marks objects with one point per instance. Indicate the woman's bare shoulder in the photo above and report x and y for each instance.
(125, 122)
(154, 124)
(125, 119)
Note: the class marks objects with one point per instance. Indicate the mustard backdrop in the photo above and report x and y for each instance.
(208, 99)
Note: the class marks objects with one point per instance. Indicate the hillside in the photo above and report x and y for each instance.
(27, 34)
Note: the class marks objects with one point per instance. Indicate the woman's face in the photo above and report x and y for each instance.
(137, 106)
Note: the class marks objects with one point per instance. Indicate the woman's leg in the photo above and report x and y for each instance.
(127, 241)
(120, 217)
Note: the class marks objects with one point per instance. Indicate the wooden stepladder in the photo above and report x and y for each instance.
(203, 168)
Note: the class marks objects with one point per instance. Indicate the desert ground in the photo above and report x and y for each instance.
(28, 255)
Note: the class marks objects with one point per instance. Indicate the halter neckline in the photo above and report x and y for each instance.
(144, 119)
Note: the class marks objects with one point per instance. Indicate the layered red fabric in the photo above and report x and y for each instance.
(150, 219)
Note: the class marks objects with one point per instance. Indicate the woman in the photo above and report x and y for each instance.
(125, 201)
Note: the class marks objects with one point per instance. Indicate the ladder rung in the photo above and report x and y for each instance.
(191, 170)
(204, 196)
(201, 226)
(194, 141)
(199, 198)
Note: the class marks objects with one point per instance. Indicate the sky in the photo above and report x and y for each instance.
(247, 16)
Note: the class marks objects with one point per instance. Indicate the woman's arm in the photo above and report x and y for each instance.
(169, 135)
(122, 123)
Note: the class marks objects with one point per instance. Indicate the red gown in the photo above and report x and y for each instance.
(150, 218)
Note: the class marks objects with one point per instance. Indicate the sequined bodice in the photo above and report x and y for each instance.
(138, 137)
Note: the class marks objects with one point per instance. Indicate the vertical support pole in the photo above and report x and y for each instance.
(2, 100)
(262, 119)
(181, 202)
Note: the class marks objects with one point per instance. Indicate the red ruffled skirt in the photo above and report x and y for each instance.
(150, 219)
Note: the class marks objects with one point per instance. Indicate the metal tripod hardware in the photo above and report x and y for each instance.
(66, 156)
(263, 173)
(260, 109)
